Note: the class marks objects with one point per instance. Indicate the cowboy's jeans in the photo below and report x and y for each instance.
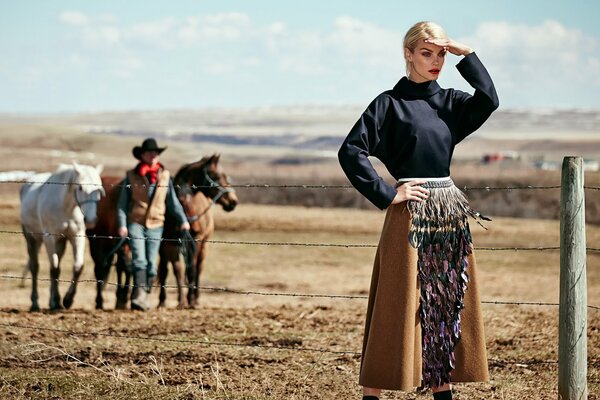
(144, 244)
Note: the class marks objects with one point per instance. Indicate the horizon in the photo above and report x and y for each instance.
(300, 107)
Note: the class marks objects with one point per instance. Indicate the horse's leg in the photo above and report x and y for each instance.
(55, 247)
(128, 267)
(97, 250)
(78, 243)
(163, 270)
(123, 278)
(26, 270)
(179, 270)
(33, 248)
(199, 263)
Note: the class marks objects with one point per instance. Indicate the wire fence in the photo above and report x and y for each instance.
(205, 342)
(286, 186)
(261, 293)
(255, 243)
(252, 344)
(173, 340)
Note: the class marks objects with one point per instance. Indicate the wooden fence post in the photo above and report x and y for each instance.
(572, 336)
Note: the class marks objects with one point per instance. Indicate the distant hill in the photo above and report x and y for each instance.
(308, 130)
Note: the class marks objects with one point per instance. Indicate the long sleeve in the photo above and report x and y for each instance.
(174, 206)
(123, 204)
(473, 110)
(361, 142)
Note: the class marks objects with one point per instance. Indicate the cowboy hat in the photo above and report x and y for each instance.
(147, 145)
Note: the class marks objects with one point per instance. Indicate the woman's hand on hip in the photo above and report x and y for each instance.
(411, 190)
(123, 231)
(450, 45)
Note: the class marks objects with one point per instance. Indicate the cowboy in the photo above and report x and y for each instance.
(146, 196)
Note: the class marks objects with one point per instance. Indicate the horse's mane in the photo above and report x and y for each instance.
(65, 171)
(62, 167)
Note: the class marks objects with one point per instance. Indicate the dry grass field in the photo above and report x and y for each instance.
(222, 350)
(266, 344)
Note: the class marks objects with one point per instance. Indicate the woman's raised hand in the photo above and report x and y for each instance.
(450, 45)
(411, 190)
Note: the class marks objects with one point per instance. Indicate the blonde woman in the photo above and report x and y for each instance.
(423, 325)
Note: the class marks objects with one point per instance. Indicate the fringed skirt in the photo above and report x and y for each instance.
(424, 323)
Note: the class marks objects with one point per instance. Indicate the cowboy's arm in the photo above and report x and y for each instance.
(175, 209)
(122, 207)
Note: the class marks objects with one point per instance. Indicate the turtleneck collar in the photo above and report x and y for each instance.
(419, 90)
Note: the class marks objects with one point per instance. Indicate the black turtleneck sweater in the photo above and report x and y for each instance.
(413, 129)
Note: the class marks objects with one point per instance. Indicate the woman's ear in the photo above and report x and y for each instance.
(407, 54)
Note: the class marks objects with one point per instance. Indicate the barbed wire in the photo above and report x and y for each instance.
(188, 341)
(239, 344)
(259, 293)
(288, 186)
(253, 243)
(249, 345)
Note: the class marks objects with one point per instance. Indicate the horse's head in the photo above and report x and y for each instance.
(87, 189)
(206, 176)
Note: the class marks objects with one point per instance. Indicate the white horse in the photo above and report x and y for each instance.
(56, 207)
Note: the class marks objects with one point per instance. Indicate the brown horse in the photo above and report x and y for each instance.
(105, 243)
(199, 186)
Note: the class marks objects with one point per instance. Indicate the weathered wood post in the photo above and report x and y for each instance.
(572, 336)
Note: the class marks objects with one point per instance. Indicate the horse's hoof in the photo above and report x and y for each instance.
(67, 302)
(181, 306)
(55, 305)
(98, 306)
(121, 305)
(34, 308)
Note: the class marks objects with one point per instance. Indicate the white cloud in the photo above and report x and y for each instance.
(215, 28)
(74, 18)
(153, 30)
(101, 36)
(235, 38)
(537, 53)
(365, 42)
(524, 60)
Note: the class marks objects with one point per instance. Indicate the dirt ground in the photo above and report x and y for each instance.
(259, 346)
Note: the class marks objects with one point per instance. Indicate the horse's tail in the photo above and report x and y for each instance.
(187, 247)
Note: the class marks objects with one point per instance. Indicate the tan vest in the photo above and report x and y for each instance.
(151, 214)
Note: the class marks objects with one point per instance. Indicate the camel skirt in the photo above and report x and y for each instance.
(391, 356)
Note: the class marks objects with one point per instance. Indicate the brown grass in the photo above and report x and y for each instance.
(177, 354)
(522, 340)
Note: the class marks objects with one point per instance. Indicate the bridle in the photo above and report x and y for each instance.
(222, 189)
(90, 198)
(213, 200)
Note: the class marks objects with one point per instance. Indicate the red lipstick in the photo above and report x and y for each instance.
(434, 71)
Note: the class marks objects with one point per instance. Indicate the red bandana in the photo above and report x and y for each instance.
(148, 171)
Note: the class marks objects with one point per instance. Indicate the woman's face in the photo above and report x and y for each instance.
(426, 61)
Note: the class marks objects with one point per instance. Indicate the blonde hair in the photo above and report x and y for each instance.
(421, 30)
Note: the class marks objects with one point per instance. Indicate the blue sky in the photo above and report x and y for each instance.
(92, 55)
